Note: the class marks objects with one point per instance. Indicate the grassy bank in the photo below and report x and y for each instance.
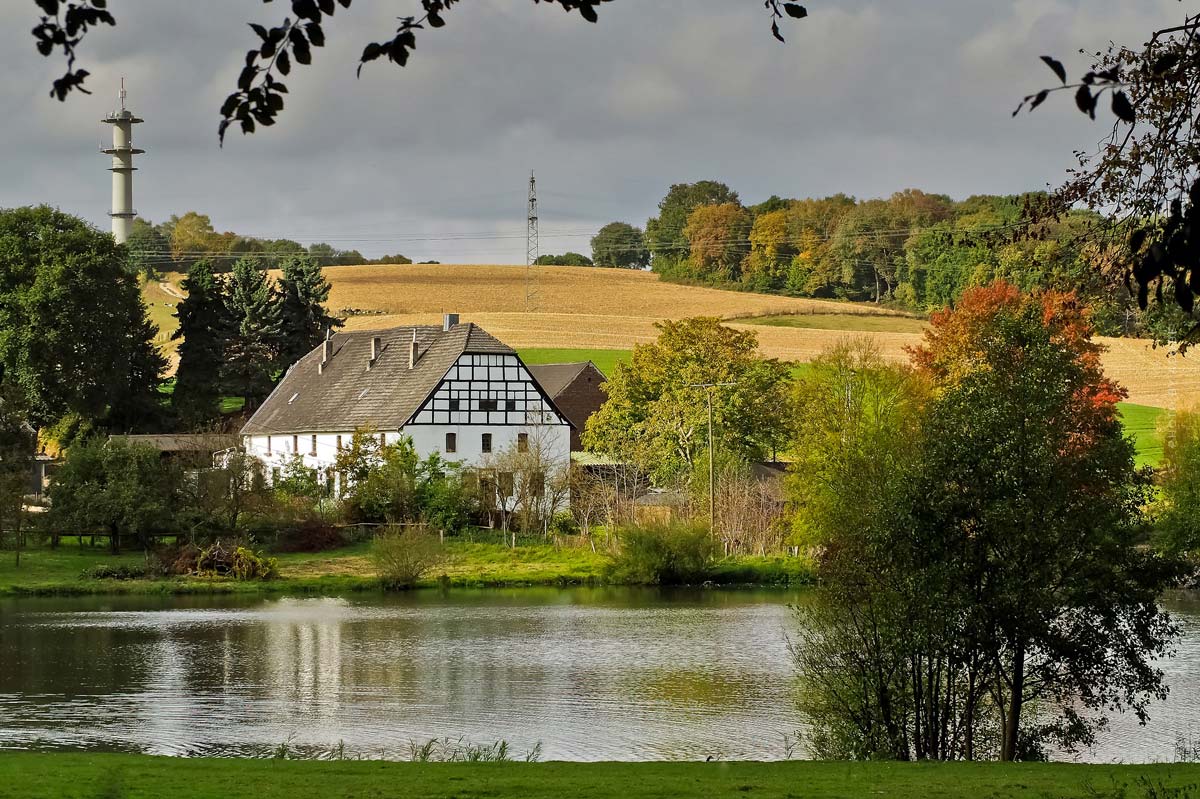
(472, 564)
(115, 776)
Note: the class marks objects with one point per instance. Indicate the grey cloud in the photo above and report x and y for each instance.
(867, 97)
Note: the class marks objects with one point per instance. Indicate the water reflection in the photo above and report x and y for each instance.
(591, 673)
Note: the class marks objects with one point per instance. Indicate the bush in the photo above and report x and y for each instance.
(237, 562)
(664, 554)
(119, 572)
(402, 556)
(311, 535)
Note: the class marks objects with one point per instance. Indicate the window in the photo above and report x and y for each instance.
(339, 443)
(383, 439)
(274, 475)
(454, 405)
(506, 484)
(487, 405)
(487, 488)
(522, 442)
(487, 442)
(295, 445)
(268, 445)
(510, 405)
(537, 484)
(452, 442)
(313, 449)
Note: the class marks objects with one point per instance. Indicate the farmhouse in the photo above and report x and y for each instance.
(454, 390)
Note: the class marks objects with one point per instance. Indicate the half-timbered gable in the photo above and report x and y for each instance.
(454, 390)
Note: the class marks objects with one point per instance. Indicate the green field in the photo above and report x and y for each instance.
(838, 321)
(1143, 423)
(120, 776)
(606, 360)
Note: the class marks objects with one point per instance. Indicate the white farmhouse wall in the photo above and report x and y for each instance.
(462, 404)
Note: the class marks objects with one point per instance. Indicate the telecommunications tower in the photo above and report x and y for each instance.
(531, 246)
(122, 152)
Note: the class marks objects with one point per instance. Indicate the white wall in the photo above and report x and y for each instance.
(521, 408)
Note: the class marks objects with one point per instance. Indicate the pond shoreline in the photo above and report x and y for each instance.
(61, 774)
(348, 570)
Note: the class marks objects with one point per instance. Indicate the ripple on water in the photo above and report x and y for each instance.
(592, 675)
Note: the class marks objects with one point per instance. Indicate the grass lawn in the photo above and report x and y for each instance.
(1142, 422)
(842, 321)
(476, 561)
(120, 776)
(606, 360)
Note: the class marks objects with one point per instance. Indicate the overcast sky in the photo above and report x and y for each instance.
(867, 97)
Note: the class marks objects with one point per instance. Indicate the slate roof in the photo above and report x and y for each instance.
(554, 377)
(181, 442)
(346, 395)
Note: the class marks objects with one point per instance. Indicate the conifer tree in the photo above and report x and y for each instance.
(303, 291)
(139, 406)
(204, 328)
(252, 352)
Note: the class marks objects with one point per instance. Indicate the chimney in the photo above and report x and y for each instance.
(326, 351)
(376, 349)
(413, 354)
(448, 321)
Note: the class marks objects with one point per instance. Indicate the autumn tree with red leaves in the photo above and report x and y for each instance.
(1011, 576)
(1030, 483)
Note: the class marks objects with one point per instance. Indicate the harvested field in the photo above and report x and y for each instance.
(579, 308)
(613, 309)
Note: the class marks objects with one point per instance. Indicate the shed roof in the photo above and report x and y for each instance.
(345, 395)
(554, 377)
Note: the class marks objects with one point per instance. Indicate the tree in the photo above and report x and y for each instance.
(1178, 522)
(205, 327)
(115, 489)
(772, 250)
(137, 404)
(17, 445)
(149, 250)
(193, 238)
(856, 451)
(664, 233)
(566, 259)
(1028, 470)
(253, 348)
(63, 24)
(718, 241)
(621, 245)
(656, 417)
(304, 322)
(1001, 569)
(71, 316)
(1143, 176)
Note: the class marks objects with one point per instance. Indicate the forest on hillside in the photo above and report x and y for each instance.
(913, 250)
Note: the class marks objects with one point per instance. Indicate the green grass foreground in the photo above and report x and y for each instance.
(115, 776)
(469, 564)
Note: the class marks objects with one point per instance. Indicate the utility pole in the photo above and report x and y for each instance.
(712, 474)
(531, 244)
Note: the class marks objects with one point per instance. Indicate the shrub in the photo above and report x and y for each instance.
(402, 556)
(563, 523)
(237, 562)
(311, 535)
(663, 554)
(118, 572)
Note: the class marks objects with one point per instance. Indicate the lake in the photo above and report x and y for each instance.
(589, 673)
